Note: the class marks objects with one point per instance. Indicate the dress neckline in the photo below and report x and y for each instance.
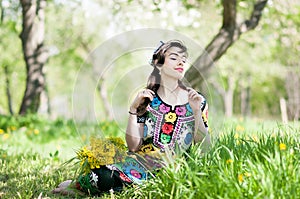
(173, 107)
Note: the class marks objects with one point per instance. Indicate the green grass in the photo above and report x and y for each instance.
(248, 159)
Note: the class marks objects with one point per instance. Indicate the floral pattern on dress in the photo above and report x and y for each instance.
(155, 103)
(164, 109)
(180, 110)
(132, 169)
(93, 179)
(168, 126)
(165, 128)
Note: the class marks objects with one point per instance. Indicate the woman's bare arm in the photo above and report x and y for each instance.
(201, 133)
(134, 133)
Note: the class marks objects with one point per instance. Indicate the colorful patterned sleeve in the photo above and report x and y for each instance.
(204, 109)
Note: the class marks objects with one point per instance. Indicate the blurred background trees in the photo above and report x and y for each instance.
(247, 78)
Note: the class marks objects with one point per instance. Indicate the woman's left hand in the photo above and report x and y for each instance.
(194, 100)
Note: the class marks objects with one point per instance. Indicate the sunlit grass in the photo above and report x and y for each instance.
(248, 159)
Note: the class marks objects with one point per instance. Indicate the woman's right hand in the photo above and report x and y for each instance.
(140, 98)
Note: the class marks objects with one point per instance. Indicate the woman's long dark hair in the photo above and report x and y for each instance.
(158, 59)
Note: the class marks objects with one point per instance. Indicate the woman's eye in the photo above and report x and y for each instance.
(172, 58)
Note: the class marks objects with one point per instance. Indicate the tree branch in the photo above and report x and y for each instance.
(256, 14)
(228, 34)
(229, 14)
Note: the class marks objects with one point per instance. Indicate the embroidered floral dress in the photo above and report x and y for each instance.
(166, 129)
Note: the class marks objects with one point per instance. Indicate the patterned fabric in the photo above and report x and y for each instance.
(169, 126)
(166, 130)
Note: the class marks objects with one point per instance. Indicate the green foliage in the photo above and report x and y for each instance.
(284, 25)
(110, 128)
(249, 159)
(29, 175)
(37, 128)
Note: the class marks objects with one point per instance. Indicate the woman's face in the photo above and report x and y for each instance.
(174, 65)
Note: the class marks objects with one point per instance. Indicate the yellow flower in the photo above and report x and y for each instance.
(1, 131)
(229, 161)
(13, 128)
(240, 178)
(239, 128)
(101, 151)
(36, 131)
(282, 147)
(170, 117)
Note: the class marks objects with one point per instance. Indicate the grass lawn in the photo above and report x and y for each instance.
(248, 159)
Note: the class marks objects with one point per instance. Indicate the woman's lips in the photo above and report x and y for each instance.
(179, 69)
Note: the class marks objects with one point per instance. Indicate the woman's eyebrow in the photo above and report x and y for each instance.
(176, 54)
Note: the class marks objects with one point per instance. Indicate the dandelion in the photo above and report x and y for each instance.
(229, 161)
(1, 131)
(239, 128)
(36, 131)
(240, 178)
(282, 147)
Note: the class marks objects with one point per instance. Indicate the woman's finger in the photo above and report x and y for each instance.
(147, 93)
(193, 94)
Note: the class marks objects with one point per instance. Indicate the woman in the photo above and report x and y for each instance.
(164, 119)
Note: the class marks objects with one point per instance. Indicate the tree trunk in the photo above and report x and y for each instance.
(103, 94)
(293, 92)
(2, 12)
(227, 95)
(7, 88)
(245, 97)
(228, 103)
(35, 54)
(283, 110)
(228, 34)
(101, 85)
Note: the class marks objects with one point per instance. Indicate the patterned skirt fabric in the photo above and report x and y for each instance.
(134, 169)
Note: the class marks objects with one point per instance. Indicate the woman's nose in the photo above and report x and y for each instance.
(180, 62)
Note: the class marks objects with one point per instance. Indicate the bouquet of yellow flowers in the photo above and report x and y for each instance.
(101, 151)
